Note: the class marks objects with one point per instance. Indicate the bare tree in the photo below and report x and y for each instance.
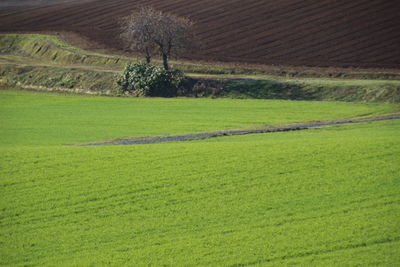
(138, 30)
(150, 31)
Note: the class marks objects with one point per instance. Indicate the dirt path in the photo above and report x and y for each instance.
(283, 128)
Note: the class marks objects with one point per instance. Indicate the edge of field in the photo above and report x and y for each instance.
(47, 63)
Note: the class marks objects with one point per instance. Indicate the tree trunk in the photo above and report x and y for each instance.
(148, 56)
(148, 59)
(165, 62)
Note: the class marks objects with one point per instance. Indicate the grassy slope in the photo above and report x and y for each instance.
(47, 48)
(46, 63)
(40, 118)
(319, 197)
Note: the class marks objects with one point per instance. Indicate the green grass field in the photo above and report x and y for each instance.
(328, 196)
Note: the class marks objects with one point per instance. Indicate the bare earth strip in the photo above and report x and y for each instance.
(270, 129)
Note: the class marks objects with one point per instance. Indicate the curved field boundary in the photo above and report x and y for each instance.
(285, 128)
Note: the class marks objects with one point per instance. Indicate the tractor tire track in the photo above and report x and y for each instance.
(271, 129)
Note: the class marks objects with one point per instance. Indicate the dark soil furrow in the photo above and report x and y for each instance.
(272, 24)
(330, 30)
(265, 21)
(341, 37)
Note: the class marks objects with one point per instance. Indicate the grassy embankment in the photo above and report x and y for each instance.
(46, 63)
(319, 197)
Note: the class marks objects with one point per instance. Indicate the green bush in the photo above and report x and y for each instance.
(141, 79)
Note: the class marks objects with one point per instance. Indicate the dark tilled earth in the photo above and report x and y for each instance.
(292, 127)
(6, 4)
(359, 33)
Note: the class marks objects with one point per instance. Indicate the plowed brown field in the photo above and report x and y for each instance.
(360, 33)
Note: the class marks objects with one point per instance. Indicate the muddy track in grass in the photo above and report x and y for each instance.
(270, 129)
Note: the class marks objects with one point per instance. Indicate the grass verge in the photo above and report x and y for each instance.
(43, 62)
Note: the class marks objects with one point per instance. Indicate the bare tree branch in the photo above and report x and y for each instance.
(150, 31)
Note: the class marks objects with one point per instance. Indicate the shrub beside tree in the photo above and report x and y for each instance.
(140, 79)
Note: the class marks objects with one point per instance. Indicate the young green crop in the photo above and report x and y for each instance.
(318, 197)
